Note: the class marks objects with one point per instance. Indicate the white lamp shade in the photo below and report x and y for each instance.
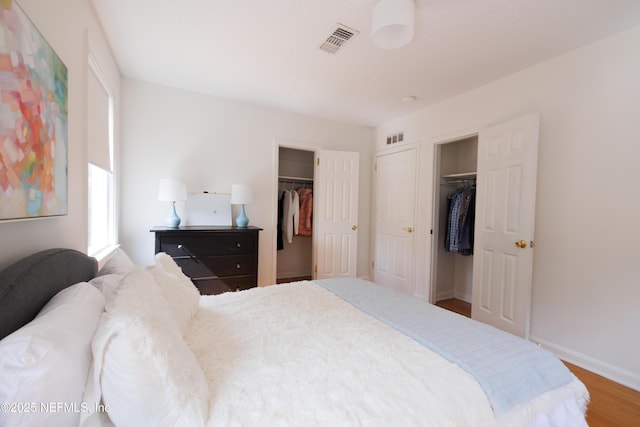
(392, 23)
(172, 190)
(241, 194)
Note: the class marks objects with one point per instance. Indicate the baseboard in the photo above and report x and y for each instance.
(306, 274)
(293, 274)
(442, 295)
(462, 296)
(622, 376)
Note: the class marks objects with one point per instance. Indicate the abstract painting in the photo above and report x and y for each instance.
(33, 121)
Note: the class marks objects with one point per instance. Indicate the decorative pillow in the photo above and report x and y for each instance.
(180, 293)
(107, 284)
(118, 263)
(47, 360)
(143, 371)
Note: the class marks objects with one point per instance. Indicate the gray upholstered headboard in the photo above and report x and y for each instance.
(27, 285)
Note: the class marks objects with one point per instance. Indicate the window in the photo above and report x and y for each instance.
(101, 218)
(101, 197)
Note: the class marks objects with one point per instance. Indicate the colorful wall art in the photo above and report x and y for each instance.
(33, 121)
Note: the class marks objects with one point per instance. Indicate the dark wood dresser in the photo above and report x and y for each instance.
(217, 258)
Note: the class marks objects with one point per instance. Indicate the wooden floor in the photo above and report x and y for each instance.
(611, 404)
(456, 305)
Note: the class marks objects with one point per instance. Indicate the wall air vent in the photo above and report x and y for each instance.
(338, 38)
(395, 138)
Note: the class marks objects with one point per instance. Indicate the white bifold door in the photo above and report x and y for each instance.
(336, 214)
(505, 209)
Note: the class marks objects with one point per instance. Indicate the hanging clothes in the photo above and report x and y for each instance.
(306, 211)
(461, 219)
(280, 214)
(295, 204)
(291, 214)
(465, 238)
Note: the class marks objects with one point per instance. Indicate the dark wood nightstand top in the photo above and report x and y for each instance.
(203, 228)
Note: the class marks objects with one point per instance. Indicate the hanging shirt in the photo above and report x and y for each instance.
(459, 236)
(291, 214)
(306, 211)
(295, 204)
(467, 221)
(453, 223)
(280, 214)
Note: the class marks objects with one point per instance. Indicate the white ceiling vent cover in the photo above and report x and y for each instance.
(338, 38)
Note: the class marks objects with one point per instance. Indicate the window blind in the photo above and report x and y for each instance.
(99, 131)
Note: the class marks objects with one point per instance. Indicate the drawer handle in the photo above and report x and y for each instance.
(239, 244)
(238, 265)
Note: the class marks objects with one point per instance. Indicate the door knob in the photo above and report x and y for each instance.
(354, 227)
(408, 229)
(521, 244)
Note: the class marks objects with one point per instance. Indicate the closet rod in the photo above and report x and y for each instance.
(295, 179)
(463, 175)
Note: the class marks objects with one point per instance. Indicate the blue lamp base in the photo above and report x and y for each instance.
(242, 221)
(173, 220)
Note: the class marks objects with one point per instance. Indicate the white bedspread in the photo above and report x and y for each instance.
(296, 355)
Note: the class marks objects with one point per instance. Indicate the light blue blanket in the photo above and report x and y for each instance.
(509, 369)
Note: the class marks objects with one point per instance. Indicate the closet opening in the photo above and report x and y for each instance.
(294, 255)
(455, 171)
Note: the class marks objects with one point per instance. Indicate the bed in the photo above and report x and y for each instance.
(137, 345)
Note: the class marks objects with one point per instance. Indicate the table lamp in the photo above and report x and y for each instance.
(172, 190)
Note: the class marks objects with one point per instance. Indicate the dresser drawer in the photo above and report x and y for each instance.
(226, 284)
(203, 245)
(217, 266)
(216, 258)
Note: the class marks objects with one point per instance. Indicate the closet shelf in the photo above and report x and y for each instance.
(294, 179)
(460, 175)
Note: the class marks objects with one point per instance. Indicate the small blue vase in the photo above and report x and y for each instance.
(173, 220)
(242, 221)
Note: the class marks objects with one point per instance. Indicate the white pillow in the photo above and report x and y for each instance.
(181, 295)
(118, 263)
(143, 369)
(47, 360)
(169, 264)
(107, 284)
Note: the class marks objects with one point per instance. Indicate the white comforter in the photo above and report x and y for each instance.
(296, 355)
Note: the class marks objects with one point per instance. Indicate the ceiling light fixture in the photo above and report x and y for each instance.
(392, 23)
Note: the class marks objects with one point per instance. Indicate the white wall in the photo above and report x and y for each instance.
(586, 278)
(212, 143)
(69, 26)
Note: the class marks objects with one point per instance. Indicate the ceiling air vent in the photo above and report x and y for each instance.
(338, 38)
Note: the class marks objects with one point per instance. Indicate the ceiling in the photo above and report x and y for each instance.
(266, 52)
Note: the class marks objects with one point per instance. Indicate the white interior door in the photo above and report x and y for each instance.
(505, 209)
(336, 214)
(393, 265)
